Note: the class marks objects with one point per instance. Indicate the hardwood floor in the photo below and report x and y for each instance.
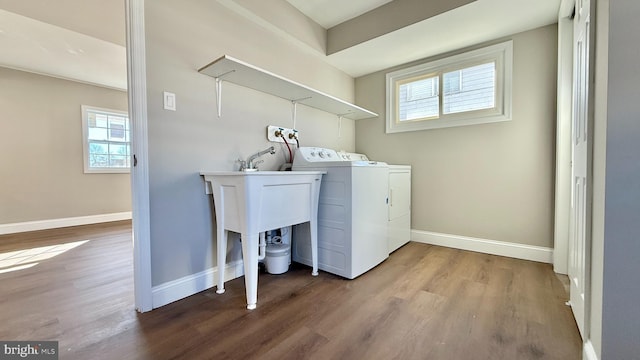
(424, 302)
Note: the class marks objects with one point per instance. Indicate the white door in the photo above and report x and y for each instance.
(579, 229)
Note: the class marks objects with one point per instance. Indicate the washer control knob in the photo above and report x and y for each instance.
(321, 154)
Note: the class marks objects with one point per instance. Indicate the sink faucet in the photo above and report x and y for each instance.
(250, 164)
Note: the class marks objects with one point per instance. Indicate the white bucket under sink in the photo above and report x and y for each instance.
(277, 258)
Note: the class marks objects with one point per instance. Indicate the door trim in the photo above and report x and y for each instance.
(563, 139)
(137, 90)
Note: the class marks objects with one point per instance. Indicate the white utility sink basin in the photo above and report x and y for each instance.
(252, 202)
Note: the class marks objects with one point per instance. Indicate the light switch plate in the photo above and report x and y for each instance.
(169, 101)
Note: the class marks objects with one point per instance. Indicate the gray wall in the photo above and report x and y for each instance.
(492, 181)
(41, 169)
(621, 293)
(180, 38)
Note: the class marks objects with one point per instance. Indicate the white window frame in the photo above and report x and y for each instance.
(85, 140)
(501, 54)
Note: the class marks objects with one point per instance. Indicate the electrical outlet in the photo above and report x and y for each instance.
(289, 134)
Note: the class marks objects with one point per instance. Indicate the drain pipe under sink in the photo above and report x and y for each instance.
(262, 247)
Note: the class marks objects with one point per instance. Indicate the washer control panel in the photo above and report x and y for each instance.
(314, 154)
(352, 156)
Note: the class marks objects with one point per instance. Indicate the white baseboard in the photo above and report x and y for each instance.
(514, 250)
(192, 284)
(588, 352)
(63, 222)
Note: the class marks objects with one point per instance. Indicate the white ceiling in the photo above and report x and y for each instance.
(40, 36)
(35, 46)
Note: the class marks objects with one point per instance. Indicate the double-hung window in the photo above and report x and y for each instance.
(465, 89)
(106, 140)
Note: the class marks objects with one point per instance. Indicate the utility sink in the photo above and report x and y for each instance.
(252, 202)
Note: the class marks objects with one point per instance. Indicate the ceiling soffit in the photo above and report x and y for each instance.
(385, 19)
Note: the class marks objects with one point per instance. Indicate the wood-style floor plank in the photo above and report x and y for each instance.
(75, 285)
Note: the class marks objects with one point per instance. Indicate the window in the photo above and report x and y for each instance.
(106, 139)
(419, 98)
(465, 89)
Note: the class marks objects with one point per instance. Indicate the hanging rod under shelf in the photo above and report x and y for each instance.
(241, 73)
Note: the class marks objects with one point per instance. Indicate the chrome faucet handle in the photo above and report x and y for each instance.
(255, 164)
(243, 164)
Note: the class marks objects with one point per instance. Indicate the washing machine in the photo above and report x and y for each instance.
(352, 213)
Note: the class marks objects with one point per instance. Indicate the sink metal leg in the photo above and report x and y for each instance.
(222, 257)
(313, 228)
(250, 260)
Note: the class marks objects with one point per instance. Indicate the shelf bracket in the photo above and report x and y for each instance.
(219, 91)
(340, 116)
(219, 96)
(294, 109)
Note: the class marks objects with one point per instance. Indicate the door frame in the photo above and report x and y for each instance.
(563, 138)
(137, 90)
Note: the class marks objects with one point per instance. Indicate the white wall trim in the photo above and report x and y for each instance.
(502, 248)
(63, 222)
(588, 352)
(191, 284)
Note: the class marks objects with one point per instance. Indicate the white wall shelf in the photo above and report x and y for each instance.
(238, 72)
